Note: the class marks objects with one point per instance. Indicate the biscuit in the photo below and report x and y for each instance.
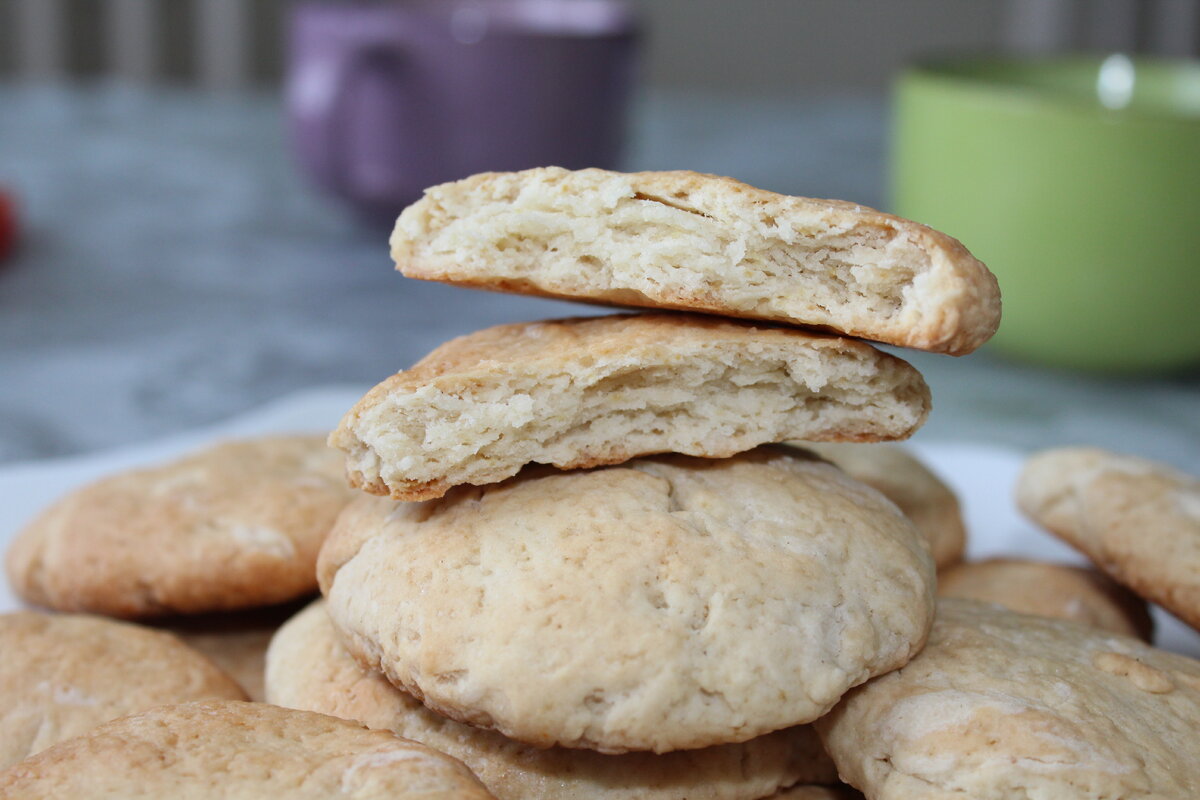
(818, 793)
(692, 242)
(587, 392)
(236, 641)
(231, 749)
(308, 668)
(61, 675)
(234, 526)
(1002, 705)
(1050, 590)
(668, 604)
(1137, 520)
(903, 479)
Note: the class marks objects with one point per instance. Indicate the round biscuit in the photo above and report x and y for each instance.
(1061, 591)
(234, 526)
(63, 674)
(1001, 705)
(666, 604)
(230, 749)
(308, 668)
(1137, 520)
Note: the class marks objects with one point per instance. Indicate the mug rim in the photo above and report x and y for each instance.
(610, 19)
(968, 74)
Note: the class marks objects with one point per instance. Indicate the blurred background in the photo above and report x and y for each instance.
(196, 203)
(750, 46)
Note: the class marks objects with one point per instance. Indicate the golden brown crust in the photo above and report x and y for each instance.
(235, 526)
(63, 674)
(233, 749)
(1060, 591)
(1002, 705)
(310, 669)
(952, 306)
(902, 478)
(696, 303)
(1137, 520)
(409, 492)
(602, 337)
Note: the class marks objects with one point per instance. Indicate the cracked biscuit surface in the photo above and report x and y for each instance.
(669, 603)
(234, 750)
(693, 242)
(237, 525)
(63, 674)
(1000, 706)
(309, 668)
(584, 392)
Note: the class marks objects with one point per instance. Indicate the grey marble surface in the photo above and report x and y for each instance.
(176, 270)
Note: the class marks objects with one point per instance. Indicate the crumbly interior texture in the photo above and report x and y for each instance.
(579, 393)
(1061, 591)
(1136, 519)
(64, 674)
(669, 603)
(805, 792)
(239, 751)
(903, 479)
(308, 668)
(699, 242)
(1004, 706)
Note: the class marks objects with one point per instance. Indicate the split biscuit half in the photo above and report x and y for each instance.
(586, 392)
(694, 242)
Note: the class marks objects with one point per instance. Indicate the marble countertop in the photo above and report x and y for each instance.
(176, 270)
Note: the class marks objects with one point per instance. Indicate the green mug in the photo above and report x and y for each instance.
(1077, 181)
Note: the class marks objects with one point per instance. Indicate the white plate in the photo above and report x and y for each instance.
(983, 476)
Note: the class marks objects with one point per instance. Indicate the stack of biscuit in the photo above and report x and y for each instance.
(657, 555)
(591, 566)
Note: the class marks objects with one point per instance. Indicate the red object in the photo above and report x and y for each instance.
(8, 225)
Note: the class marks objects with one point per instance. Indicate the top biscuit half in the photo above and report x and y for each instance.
(587, 392)
(687, 241)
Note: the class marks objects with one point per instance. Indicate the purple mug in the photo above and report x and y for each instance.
(385, 99)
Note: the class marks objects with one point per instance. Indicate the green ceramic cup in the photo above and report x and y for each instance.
(1077, 181)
